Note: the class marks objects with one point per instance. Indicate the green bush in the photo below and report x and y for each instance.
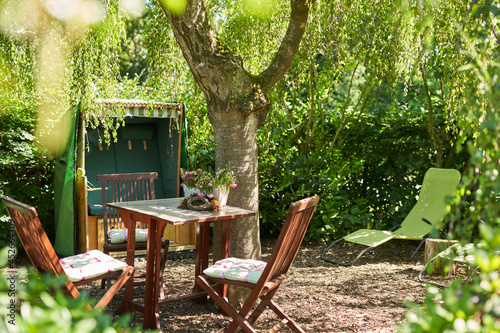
(285, 178)
(379, 168)
(25, 173)
(470, 308)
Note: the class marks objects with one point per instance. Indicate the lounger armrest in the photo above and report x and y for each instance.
(395, 219)
(441, 232)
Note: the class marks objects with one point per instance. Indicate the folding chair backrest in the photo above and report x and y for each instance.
(124, 187)
(34, 239)
(289, 240)
(431, 205)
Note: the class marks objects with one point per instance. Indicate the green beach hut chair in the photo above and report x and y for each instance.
(429, 210)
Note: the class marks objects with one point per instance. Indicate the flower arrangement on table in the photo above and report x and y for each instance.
(209, 191)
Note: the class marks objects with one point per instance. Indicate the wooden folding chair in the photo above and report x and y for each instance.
(80, 269)
(127, 187)
(262, 278)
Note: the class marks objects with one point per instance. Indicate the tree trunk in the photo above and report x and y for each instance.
(236, 145)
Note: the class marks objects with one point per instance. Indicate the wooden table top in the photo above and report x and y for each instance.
(167, 211)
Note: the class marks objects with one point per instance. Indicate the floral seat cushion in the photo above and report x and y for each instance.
(117, 236)
(247, 270)
(90, 264)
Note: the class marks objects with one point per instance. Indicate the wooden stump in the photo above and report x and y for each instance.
(432, 247)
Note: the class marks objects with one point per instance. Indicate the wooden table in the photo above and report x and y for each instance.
(156, 213)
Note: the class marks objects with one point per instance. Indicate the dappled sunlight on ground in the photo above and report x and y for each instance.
(368, 296)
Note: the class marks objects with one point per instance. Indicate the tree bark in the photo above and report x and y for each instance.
(236, 145)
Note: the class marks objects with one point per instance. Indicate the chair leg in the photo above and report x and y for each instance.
(288, 321)
(342, 263)
(127, 273)
(105, 281)
(471, 274)
(418, 248)
(407, 260)
(238, 320)
(264, 303)
(421, 279)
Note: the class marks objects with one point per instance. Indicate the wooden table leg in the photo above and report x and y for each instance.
(129, 289)
(226, 227)
(158, 274)
(151, 317)
(201, 259)
(198, 249)
(205, 247)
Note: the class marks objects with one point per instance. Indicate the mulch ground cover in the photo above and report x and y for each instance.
(368, 296)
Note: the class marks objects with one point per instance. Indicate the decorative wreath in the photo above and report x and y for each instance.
(198, 203)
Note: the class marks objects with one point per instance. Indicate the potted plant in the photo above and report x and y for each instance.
(223, 181)
(205, 184)
(192, 180)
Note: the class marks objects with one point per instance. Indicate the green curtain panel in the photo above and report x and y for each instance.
(64, 192)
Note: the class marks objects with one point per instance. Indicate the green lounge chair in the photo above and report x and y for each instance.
(429, 210)
(459, 253)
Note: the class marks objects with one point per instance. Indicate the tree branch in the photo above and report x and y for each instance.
(312, 71)
(346, 119)
(202, 50)
(430, 128)
(358, 119)
(289, 46)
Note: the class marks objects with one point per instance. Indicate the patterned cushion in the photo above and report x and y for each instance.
(247, 270)
(120, 236)
(141, 235)
(90, 264)
(116, 236)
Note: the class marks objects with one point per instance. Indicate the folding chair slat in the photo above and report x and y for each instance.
(290, 248)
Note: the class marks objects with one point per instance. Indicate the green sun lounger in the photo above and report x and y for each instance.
(429, 210)
(459, 253)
